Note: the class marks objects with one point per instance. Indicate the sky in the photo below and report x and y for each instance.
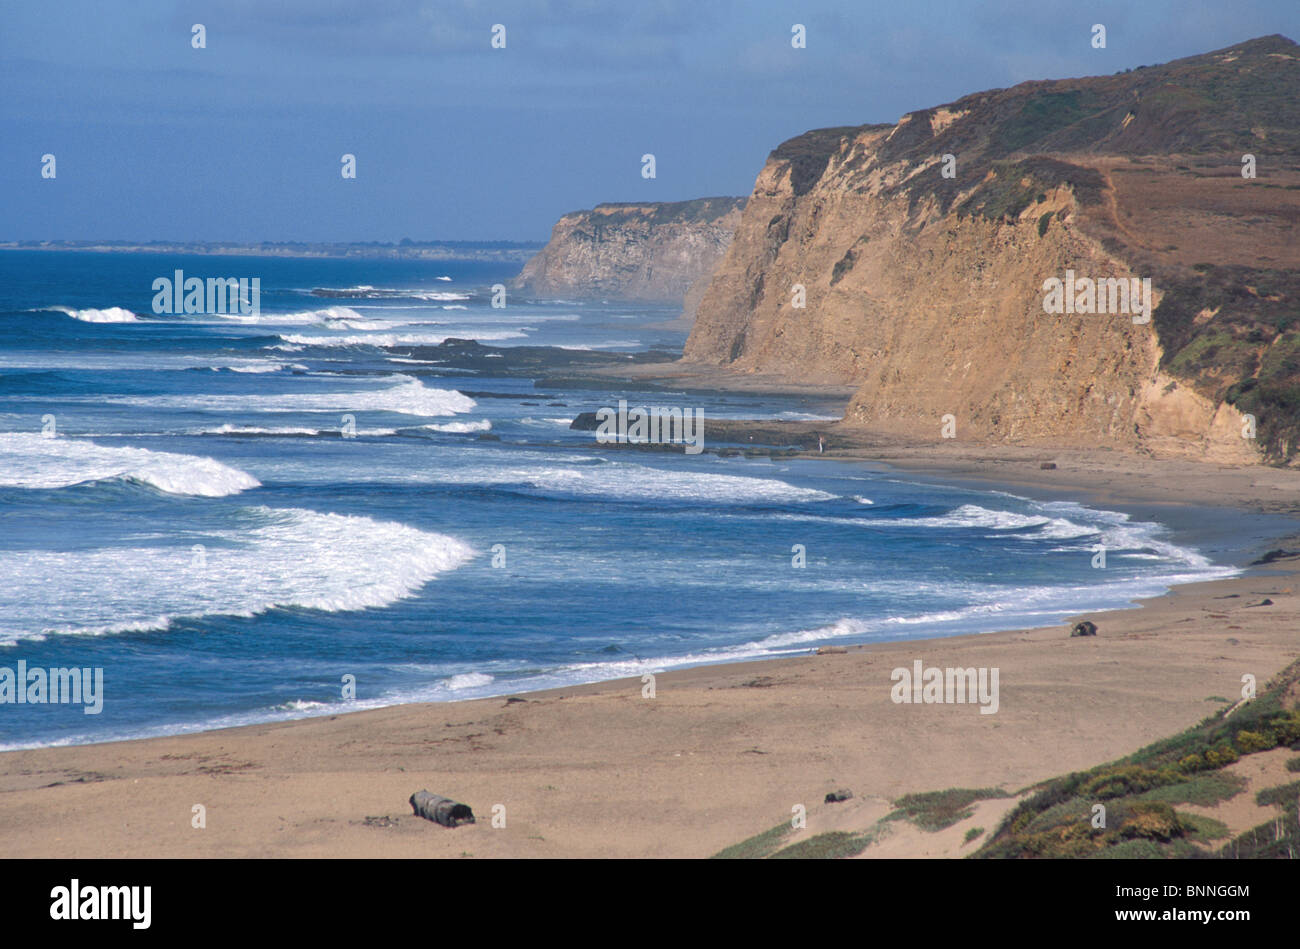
(456, 140)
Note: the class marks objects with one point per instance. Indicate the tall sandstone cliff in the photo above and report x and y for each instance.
(653, 253)
(927, 291)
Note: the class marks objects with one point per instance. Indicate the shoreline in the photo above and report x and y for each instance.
(937, 474)
(615, 736)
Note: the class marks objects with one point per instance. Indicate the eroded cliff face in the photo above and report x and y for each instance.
(927, 291)
(640, 252)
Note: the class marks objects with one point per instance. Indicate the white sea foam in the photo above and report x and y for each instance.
(633, 482)
(229, 429)
(483, 425)
(367, 292)
(614, 344)
(969, 515)
(365, 325)
(29, 460)
(274, 558)
(113, 314)
(257, 367)
(468, 680)
(397, 339)
(404, 395)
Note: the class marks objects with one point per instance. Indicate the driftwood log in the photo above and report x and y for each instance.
(441, 810)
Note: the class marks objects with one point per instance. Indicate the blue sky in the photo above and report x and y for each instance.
(456, 140)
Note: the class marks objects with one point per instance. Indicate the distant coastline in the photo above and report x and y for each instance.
(503, 251)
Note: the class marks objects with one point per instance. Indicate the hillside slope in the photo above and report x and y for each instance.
(927, 292)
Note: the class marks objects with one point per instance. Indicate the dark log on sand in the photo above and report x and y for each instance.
(441, 810)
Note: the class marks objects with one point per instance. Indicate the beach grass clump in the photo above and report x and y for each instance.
(1204, 829)
(1284, 795)
(1204, 790)
(1074, 810)
(756, 847)
(935, 810)
(833, 845)
(1293, 764)
(1130, 850)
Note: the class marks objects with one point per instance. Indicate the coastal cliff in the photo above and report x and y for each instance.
(652, 253)
(924, 250)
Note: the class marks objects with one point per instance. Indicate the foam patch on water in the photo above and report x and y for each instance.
(397, 339)
(970, 515)
(276, 558)
(309, 317)
(404, 395)
(30, 460)
(229, 429)
(635, 483)
(482, 425)
(365, 291)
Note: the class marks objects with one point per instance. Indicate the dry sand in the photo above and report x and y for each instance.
(721, 752)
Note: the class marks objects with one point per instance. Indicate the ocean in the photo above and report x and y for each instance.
(180, 507)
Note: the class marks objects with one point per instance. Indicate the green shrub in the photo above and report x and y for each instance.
(1287, 727)
(1220, 755)
(1250, 742)
(1130, 780)
(1151, 820)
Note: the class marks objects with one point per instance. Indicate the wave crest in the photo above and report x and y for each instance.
(29, 460)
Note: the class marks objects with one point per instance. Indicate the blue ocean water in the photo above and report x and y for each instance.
(177, 507)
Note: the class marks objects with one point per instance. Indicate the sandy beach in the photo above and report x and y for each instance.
(720, 753)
